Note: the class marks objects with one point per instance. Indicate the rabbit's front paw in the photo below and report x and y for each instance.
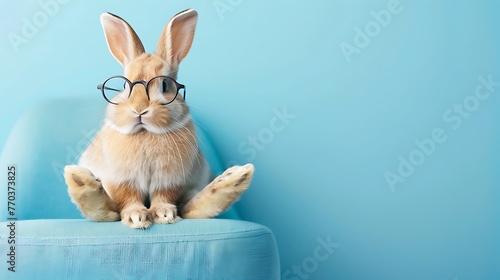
(164, 213)
(136, 216)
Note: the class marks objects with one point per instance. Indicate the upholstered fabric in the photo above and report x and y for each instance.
(190, 249)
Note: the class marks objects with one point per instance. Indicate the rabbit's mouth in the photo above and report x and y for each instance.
(138, 127)
(140, 122)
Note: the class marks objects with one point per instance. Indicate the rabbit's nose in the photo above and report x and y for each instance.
(139, 100)
(140, 113)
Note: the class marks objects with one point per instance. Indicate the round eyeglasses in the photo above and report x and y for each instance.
(117, 86)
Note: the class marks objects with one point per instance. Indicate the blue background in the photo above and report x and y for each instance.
(321, 174)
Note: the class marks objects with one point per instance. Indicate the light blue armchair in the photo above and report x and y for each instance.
(53, 240)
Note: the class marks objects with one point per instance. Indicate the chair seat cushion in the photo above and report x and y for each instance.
(189, 249)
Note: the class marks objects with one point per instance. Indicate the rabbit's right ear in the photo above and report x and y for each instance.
(122, 40)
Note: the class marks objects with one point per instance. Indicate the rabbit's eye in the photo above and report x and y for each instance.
(164, 86)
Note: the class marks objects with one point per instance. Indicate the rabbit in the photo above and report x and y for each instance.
(144, 165)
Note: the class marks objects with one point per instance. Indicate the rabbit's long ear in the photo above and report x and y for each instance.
(122, 40)
(177, 37)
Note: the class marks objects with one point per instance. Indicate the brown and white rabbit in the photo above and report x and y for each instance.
(144, 165)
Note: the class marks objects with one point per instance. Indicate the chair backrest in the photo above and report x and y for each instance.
(48, 137)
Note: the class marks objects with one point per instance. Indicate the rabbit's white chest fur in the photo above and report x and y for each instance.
(146, 161)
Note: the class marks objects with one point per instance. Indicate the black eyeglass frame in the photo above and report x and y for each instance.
(145, 84)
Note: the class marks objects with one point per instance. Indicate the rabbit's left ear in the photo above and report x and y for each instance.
(177, 37)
